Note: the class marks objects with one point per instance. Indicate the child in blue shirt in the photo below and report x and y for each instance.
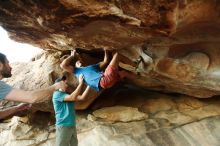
(98, 76)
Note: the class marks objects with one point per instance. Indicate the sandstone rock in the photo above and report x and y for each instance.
(91, 118)
(173, 43)
(135, 134)
(162, 103)
(19, 133)
(119, 114)
(172, 120)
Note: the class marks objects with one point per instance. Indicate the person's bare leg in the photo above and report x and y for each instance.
(115, 60)
(103, 64)
(115, 63)
(120, 58)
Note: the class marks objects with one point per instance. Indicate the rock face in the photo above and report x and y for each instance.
(176, 41)
(172, 121)
(120, 114)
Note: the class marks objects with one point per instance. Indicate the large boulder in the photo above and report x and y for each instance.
(175, 42)
(175, 45)
(172, 120)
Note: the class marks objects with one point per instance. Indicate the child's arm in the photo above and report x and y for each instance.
(105, 61)
(74, 95)
(85, 94)
(67, 63)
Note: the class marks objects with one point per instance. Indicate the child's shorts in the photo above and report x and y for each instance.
(110, 77)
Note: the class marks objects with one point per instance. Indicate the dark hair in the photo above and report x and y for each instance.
(63, 78)
(2, 58)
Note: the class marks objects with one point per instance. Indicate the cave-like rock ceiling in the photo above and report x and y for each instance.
(176, 42)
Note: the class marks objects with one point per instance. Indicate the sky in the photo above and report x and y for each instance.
(16, 52)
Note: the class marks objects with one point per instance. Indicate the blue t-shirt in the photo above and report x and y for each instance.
(92, 75)
(4, 90)
(65, 112)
